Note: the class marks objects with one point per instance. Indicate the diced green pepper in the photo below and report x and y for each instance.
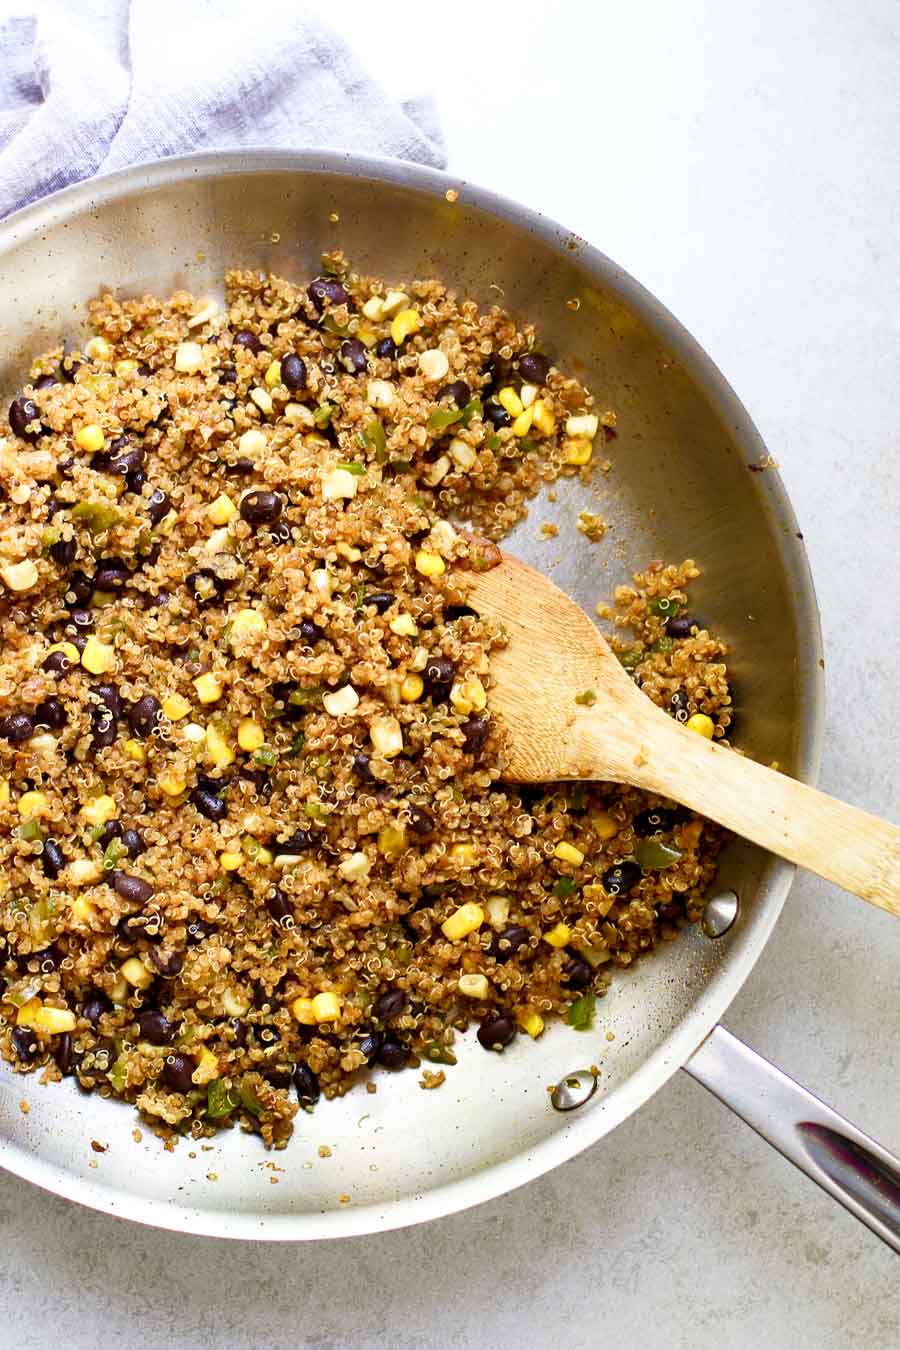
(97, 516)
(652, 855)
(353, 466)
(664, 605)
(219, 1101)
(265, 755)
(630, 659)
(587, 699)
(297, 743)
(115, 850)
(438, 1053)
(581, 1013)
(374, 437)
(248, 1098)
(322, 415)
(442, 418)
(30, 831)
(298, 698)
(564, 887)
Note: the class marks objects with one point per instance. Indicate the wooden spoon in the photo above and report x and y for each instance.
(556, 653)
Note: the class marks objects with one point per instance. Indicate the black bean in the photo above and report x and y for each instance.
(534, 367)
(144, 715)
(52, 859)
(134, 889)
(361, 764)
(298, 841)
(498, 371)
(261, 507)
(388, 1005)
(198, 930)
(438, 677)
(249, 341)
(228, 375)
(104, 729)
(134, 843)
(507, 943)
(354, 356)
(325, 291)
(46, 382)
(457, 391)
(678, 705)
(133, 927)
(50, 713)
(155, 600)
(654, 821)
(421, 821)
(94, 1006)
(62, 1053)
(239, 1032)
(382, 600)
(167, 962)
(209, 804)
(680, 626)
(83, 619)
(48, 959)
(124, 457)
(134, 482)
(293, 371)
(177, 1071)
(307, 1085)
(393, 1054)
(155, 1027)
(26, 1044)
(111, 830)
(577, 973)
(23, 411)
(204, 586)
(475, 733)
(240, 468)
(16, 727)
(158, 505)
(80, 588)
(620, 879)
(496, 1031)
(57, 663)
(386, 348)
(259, 778)
(109, 697)
(279, 905)
(310, 632)
(496, 414)
(269, 1036)
(371, 1044)
(64, 551)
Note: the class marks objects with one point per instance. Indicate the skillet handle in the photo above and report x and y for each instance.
(846, 1163)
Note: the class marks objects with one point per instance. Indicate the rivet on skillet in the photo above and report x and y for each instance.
(720, 913)
(573, 1090)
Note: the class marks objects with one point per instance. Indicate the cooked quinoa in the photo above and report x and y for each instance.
(254, 839)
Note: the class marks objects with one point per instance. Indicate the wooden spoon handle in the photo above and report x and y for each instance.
(837, 841)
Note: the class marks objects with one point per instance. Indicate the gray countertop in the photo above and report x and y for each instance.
(743, 163)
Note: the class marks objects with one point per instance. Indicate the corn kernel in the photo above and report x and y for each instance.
(229, 861)
(55, 1020)
(462, 454)
(194, 733)
(33, 804)
(528, 393)
(98, 657)
(430, 564)
(403, 325)
(347, 551)
(473, 986)
(28, 1012)
(326, 1007)
(356, 867)
(321, 580)
(172, 782)
(558, 936)
(118, 991)
(4, 792)
(703, 725)
(404, 625)
(68, 649)
(367, 336)
(247, 623)
(98, 349)
(218, 749)
(302, 1011)
(497, 907)
(252, 443)
(509, 399)
(338, 484)
(175, 707)
(134, 750)
(203, 315)
(125, 368)
(83, 871)
(391, 840)
(578, 452)
(207, 1067)
(374, 308)
(100, 810)
(250, 734)
(603, 825)
(43, 743)
(386, 735)
(599, 898)
(209, 688)
(188, 357)
(341, 701)
(412, 688)
(530, 1020)
(263, 400)
(543, 417)
(463, 921)
(379, 393)
(19, 576)
(434, 364)
(136, 973)
(468, 695)
(80, 909)
(464, 854)
(436, 473)
(584, 425)
(392, 302)
(567, 852)
(522, 425)
(90, 438)
(235, 1003)
(273, 375)
(221, 510)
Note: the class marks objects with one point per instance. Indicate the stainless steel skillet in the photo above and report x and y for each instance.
(682, 483)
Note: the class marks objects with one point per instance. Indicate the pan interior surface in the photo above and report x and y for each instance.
(679, 486)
